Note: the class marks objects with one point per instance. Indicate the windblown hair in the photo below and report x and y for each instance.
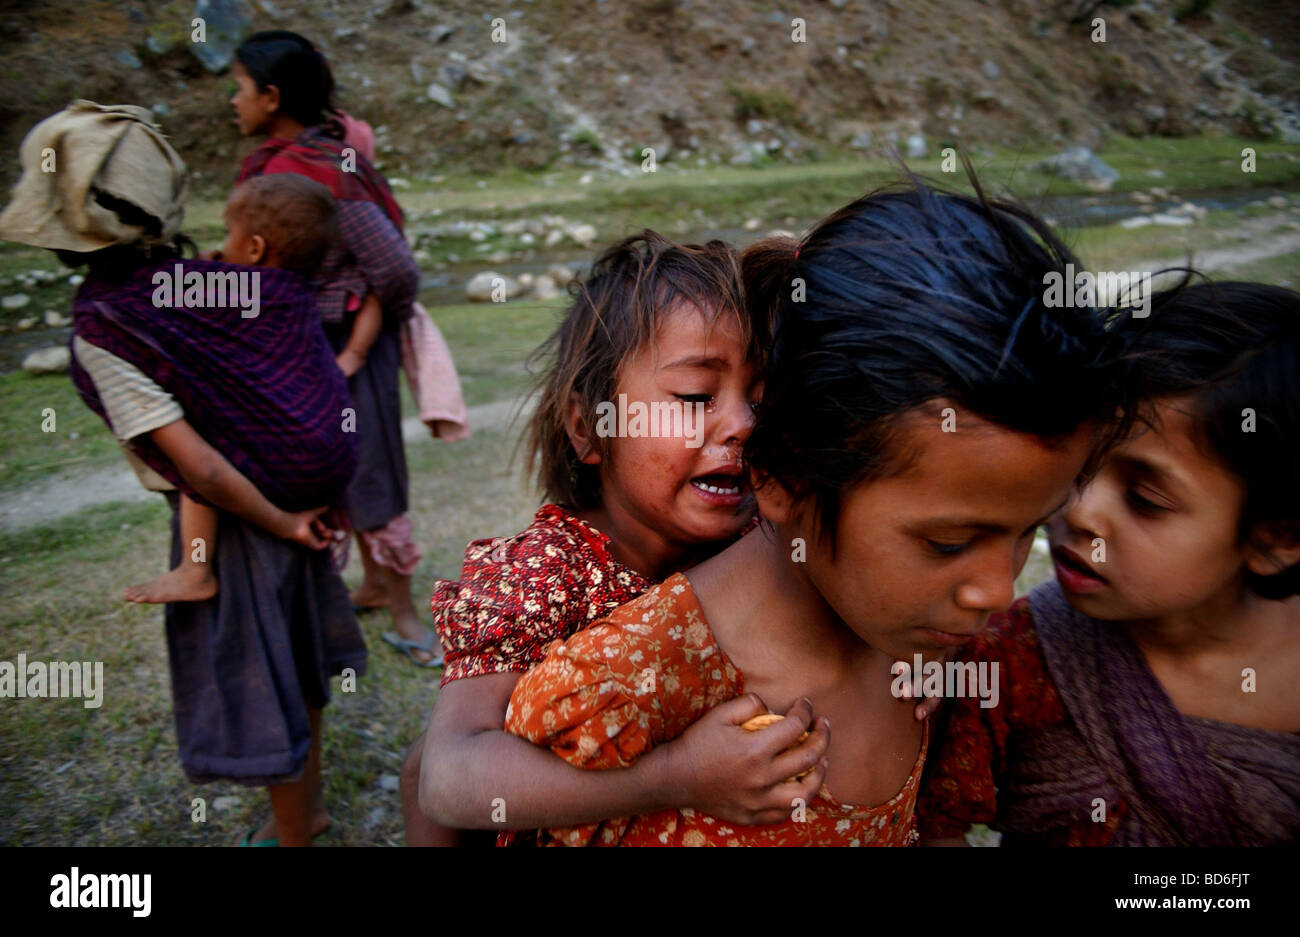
(616, 312)
(295, 215)
(908, 295)
(1228, 348)
(291, 63)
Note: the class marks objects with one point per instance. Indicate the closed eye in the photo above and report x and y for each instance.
(1144, 505)
(947, 549)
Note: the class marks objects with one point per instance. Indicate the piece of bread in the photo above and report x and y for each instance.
(762, 722)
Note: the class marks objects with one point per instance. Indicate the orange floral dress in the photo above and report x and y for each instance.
(608, 694)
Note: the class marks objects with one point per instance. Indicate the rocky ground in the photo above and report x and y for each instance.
(450, 86)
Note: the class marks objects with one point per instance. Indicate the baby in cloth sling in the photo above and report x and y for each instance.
(285, 222)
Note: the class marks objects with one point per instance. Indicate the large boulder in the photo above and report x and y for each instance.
(1079, 164)
(225, 24)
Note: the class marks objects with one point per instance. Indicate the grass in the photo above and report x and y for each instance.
(111, 776)
(60, 592)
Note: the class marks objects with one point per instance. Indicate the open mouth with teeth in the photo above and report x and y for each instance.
(720, 484)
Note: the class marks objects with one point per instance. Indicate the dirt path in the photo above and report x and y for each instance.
(60, 497)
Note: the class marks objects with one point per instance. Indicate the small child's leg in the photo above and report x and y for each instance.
(192, 580)
(420, 830)
(289, 803)
(373, 590)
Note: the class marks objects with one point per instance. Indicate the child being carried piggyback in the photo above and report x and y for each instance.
(1149, 693)
(285, 222)
(656, 324)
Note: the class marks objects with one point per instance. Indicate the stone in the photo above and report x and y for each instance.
(1080, 164)
(544, 287)
(53, 360)
(480, 287)
(752, 224)
(226, 23)
(440, 95)
(128, 58)
(583, 234)
(916, 148)
(54, 319)
(22, 325)
(225, 802)
(560, 274)
(452, 75)
(16, 301)
(861, 141)
(990, 69)
(1170, 220)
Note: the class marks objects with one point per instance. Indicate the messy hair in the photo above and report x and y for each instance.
(296, 216)
(1231, 347)
(615, 312)
(907, 295)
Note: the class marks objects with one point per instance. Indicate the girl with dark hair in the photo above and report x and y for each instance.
(660, 323)
(923, 412)
(1151, 688)
(368, 285)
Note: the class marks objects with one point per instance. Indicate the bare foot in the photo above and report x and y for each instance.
(192, 582)
(367, 595)
(320, 822)
(409, 627)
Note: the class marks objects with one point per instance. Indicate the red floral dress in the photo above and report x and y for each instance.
(517, 595)
(960, 784)
(608, 694)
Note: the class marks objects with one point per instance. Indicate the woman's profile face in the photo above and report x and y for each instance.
(254, 108)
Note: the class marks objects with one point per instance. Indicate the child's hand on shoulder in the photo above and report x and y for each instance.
(746, 777)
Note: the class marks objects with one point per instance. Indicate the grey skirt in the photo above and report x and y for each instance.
(247, 664)
(378, 491)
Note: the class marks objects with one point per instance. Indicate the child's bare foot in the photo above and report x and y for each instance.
(189, 583)
(320, 823)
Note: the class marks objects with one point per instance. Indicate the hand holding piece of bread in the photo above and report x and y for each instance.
(762, 722)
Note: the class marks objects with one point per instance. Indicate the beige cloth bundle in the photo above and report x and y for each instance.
(115, 150)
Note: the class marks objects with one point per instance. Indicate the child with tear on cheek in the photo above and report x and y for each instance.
(661, 325)
(1150, 689)
(882, 535)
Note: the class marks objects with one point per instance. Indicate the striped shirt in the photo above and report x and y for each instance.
(135, 405)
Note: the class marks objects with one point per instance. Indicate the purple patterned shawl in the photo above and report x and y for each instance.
(263, 391)
(1185, 780)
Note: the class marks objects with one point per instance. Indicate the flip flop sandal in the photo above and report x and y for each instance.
(408, 647)
(247, 840)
